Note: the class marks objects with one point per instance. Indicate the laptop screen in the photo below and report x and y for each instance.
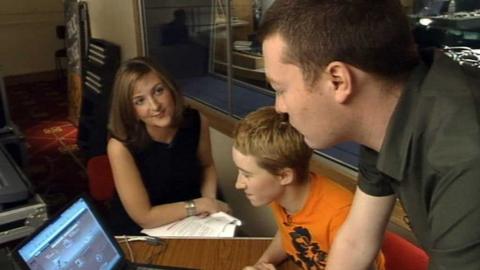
(75, 239)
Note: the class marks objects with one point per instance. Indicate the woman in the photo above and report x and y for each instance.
(159, 152)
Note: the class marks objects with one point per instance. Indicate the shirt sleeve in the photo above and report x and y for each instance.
(370, 179)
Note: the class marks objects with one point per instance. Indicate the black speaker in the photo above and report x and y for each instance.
(98, 73)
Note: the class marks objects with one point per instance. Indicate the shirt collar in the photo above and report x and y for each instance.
(427, 79)
(393, 155)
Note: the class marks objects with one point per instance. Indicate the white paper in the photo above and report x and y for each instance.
(219, 224)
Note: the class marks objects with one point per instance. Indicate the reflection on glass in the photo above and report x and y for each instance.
(180, 36)
(439, 23)
(246, 50)
(176, 31)
(189, 38)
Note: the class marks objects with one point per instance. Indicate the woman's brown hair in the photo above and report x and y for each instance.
(123, 123)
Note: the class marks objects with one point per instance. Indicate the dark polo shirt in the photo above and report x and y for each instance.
(430, 159)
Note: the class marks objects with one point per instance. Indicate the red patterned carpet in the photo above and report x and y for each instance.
(55, 164)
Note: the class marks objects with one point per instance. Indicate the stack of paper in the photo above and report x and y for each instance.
(219, 224)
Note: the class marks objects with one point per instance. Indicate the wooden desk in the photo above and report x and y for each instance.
(208, 254)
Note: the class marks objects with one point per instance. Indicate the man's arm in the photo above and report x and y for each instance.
(359, 239)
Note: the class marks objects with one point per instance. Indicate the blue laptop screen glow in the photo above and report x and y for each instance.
(75, 240)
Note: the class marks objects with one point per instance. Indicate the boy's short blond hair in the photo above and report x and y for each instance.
(273, 142)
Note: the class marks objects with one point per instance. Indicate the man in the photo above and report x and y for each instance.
(349, 71)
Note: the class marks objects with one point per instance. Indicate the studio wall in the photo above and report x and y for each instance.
(28, 38)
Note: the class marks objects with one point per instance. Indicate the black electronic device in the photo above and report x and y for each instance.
(464, 20)
(14, 185)
(6, 260)
(99, 66)
(10, 136)
(433, 8)
(5, 121)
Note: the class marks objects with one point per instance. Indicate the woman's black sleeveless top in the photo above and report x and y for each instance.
(170, 172)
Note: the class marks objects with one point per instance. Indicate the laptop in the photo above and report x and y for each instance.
(75, 239)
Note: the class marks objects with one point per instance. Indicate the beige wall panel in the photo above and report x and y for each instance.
(114, 20)
(27, 35)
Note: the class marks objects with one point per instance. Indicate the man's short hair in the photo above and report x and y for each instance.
(372, 35)
(273, 142)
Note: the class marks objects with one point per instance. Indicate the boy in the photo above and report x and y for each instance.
(273, 163)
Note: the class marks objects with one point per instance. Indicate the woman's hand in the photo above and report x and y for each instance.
(260, 266)
(207, 206)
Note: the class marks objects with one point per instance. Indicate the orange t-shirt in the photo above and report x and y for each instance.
(307, 235)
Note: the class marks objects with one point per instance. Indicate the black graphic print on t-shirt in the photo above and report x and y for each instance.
(308, 253)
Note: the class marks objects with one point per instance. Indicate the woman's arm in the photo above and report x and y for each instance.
(134, 196)
(132, 191)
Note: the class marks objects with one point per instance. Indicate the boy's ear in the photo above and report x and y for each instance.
(287, 175)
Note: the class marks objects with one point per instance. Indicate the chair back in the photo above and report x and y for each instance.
(400, 254)
(100, 178)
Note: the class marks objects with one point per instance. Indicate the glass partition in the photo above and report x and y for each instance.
(210, 47)
(180, 36)
(451, 23)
